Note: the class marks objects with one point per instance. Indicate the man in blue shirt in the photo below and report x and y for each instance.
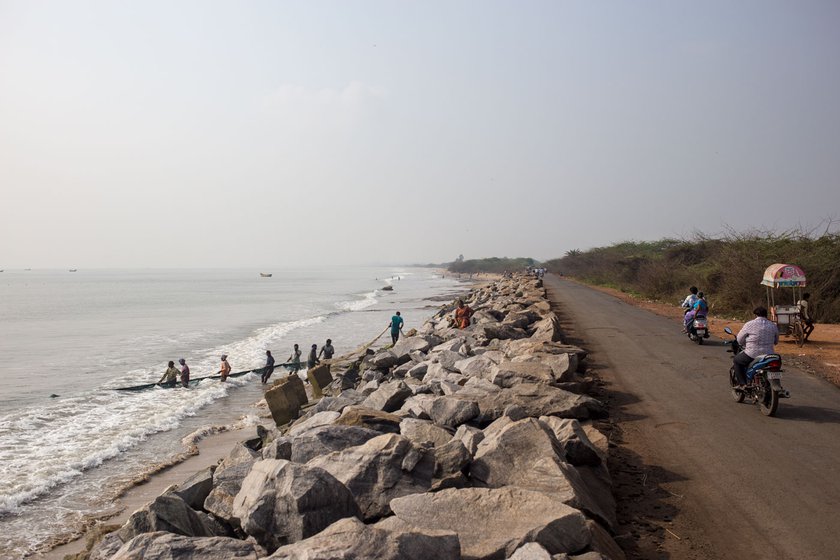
(396, 327)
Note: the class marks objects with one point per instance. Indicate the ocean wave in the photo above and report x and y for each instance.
(366, 300)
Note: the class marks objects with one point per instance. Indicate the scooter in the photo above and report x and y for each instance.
(698, 329)
(764, 379)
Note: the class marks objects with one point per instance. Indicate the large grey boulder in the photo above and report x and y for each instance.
(452, 412)
(326, 439)
(451, 460)
(499, 331)
(470, 436)
(383, 468)
(384, 359)
(407, 345)
(531, 551)
(350, 539)
(227, 480)
(536, 399)
(196, 488)
(577, 448)
(338, 403)
(369, 418)
(168, 513)
(547, 330)
(283, 502)
(318, 419)
(447, 359)
(424, 433)
(526, 454)
(493, 522)
(510, 373)
(418, 371)
(475, 366)
(388, 397)
(169, 546)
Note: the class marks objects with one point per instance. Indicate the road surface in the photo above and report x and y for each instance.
(750, 486)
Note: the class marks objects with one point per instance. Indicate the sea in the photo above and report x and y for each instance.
(70, 443)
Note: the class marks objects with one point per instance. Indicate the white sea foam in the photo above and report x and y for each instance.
(365, 300)
(43, 447)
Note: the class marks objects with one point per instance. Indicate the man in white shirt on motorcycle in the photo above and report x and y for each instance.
(756, 337)
(688, 304)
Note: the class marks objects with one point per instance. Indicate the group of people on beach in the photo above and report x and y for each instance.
(293, 361)
(172, 374)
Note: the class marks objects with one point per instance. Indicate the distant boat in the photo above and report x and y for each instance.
(265, 274)
(388, 288)
(73, 269)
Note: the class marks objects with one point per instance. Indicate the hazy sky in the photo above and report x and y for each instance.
(268, 133)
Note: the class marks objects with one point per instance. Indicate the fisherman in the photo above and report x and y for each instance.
(170, 375)
(313, 360)
(269, 366)
(185, 373)
(294, 359)
(396, 327)
(225, 368)
(327, 350)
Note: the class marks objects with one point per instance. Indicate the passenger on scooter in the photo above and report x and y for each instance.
(756, 337)
(699, 309)
(688, 304)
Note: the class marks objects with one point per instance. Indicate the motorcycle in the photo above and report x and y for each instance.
(764, 379)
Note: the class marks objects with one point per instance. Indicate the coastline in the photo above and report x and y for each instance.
(208, 447)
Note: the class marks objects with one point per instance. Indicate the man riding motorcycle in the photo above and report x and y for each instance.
(756, 337)
(688, 305)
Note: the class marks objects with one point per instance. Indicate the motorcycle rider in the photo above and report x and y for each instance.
(688, 304)
(756, 337)
(699, 309)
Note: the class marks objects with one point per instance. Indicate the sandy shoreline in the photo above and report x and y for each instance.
(210, 450)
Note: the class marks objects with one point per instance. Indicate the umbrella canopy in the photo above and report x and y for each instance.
(781, 275)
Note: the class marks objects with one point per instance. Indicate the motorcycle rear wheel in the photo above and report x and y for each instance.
(769, 403)
(737, 396)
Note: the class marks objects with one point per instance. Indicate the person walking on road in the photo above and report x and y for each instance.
(269, 366)
(396, 327)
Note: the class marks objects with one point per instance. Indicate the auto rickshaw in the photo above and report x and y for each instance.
(787, 318)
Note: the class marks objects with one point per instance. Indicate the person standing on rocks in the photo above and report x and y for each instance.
(313, 360)
(396, 327)
(462, 315)
(224, 369)
(185, 373)
(269, 366)
(327, 350)
(294, 359)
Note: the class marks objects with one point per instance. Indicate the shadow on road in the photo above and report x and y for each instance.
(805, 413)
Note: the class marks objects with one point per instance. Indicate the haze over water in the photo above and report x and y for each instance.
(78, 335)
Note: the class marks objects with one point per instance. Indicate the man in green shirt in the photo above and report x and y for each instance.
(396, 327)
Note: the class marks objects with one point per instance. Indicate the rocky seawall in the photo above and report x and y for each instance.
(472, 443)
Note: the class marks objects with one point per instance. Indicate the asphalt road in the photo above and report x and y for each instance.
(752, 486)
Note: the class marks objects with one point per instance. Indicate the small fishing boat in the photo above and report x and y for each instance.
(388, 288)
(74, 269)
(265, 274)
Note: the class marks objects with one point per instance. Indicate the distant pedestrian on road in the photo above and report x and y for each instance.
(294, 359)
(269, 366)
(805, 314)
(327, 350)
(170, 375)
(396, 327)
(185, 373)
(313, 360)
(224, 369)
